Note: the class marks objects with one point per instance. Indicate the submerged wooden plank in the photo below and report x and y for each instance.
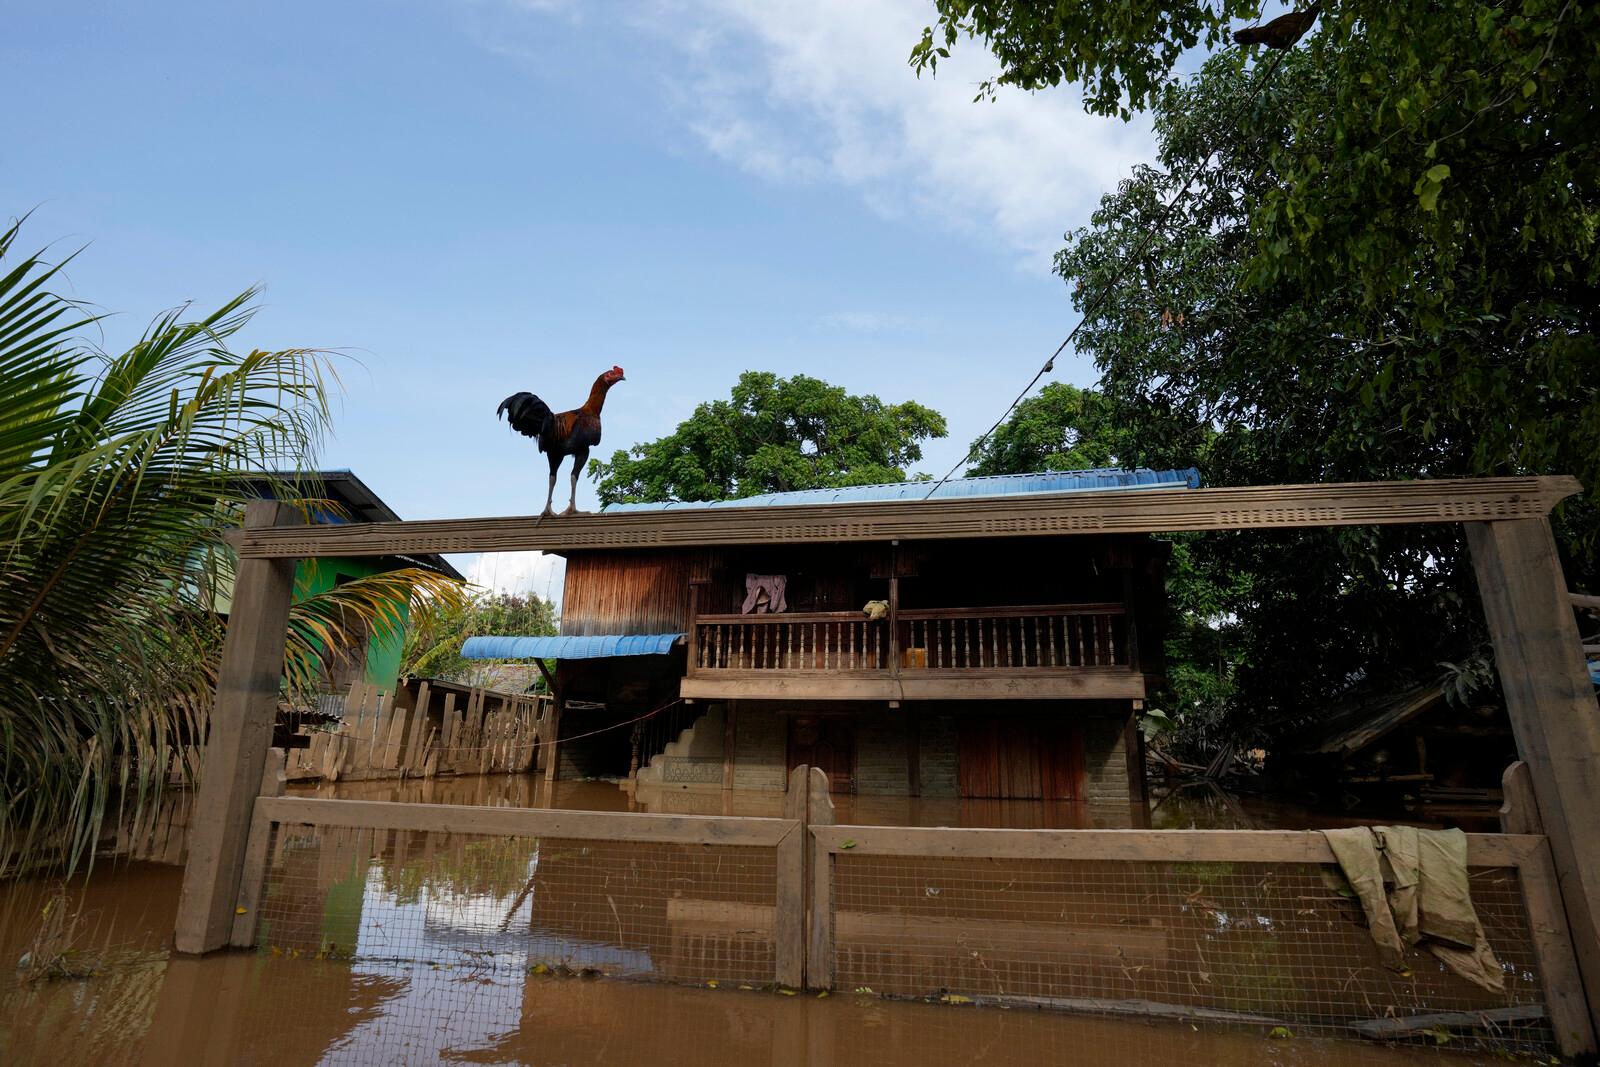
(1488, 1019)
(1146, 846)
(1023, 515)
(528, 822)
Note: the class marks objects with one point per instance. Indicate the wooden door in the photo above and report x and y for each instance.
(826, 741)
(1009, 757)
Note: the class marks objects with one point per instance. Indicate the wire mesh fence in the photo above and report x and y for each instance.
(490, 903)
(1267, 944)
(1228, 929)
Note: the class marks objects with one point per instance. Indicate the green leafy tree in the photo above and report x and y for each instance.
(1384, 266)
(1062, 428)
(1412, 222)
(433, 644)
(773, 435)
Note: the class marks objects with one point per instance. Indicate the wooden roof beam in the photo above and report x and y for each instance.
(1025, 515)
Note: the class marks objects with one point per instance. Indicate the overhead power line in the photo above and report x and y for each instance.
(1094, 305)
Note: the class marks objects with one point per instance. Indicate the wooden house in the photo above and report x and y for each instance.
(956, 665)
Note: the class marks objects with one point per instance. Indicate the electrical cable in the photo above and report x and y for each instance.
(1106, 291)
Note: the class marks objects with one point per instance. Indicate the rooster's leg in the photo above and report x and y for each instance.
(549, 500)
(580, 459)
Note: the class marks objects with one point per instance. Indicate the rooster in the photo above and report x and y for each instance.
(1282, 32)
(568, 433)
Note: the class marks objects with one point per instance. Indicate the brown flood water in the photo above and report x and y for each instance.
(143, 1006)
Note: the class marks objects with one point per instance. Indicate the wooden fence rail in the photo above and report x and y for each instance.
(806, 923)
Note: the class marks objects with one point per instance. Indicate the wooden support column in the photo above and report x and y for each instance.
(730, 741)
(237, 742)
(554, 719)
(1551, 703)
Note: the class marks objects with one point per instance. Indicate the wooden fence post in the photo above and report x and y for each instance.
(819, 906)
(237, 742)
(1551, 703)
(245, 919)
(789, 912)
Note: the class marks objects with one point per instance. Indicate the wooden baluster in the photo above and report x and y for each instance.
(1051, 645)
(966, 642)
(1102, 636)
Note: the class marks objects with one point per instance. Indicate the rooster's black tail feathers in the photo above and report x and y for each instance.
(525, 412)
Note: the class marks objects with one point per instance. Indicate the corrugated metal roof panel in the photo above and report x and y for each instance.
(1100, 480)
(509, 646)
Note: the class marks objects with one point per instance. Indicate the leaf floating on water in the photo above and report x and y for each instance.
(955, 998)
(711, 985)
(786, 992)
(863, 989)
(848, 843)
(241, 911)
(822, 994)
(1280, 1033)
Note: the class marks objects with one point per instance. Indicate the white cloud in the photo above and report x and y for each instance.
(520, 573)
(819, 90)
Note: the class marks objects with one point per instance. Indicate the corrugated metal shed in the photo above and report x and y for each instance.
(1100, 480)
(597, 647)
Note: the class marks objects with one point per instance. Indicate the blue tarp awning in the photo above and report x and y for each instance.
(598, 647)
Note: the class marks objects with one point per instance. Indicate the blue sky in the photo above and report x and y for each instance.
(474, 197)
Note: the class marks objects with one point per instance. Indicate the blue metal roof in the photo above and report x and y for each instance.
(513, 647)
(1099, 480)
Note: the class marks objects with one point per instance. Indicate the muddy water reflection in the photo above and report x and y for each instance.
(142, 1007)
(448, 1001)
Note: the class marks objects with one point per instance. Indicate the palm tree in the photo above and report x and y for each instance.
(118, 475)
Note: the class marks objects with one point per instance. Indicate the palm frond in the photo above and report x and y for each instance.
(118, 475)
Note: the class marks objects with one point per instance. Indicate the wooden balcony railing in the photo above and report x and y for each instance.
(1041, 637)
(1055, 637)
(819, 641)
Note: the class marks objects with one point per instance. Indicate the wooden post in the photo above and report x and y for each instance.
(894, 612)
(552, 749)
(789, 914)
(245, 919)
(1551, 703)
(914, 753)
(730, 741)
(1519, 812)
(237, 742)
(692, 662)
(819, 906)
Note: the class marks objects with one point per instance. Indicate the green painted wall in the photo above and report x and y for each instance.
(313, 576)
